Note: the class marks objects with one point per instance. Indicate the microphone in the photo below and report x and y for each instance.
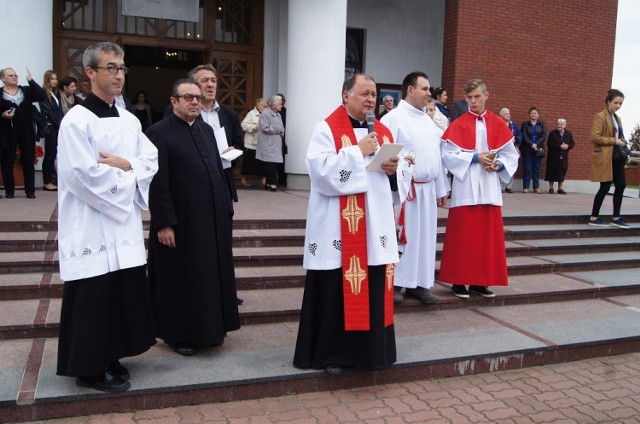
(370, 118)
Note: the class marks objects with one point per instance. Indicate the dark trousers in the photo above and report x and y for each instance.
(23, 137)
(620, 183)
(271, 171)
(50, 153)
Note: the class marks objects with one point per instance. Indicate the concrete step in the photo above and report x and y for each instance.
(256, 361)
(40, 317)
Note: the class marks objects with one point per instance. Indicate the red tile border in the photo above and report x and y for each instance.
(26, 395)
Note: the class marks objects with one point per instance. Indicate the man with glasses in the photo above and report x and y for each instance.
(105, 168)
(190, 259)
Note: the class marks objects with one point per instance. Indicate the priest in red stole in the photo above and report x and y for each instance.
(478, 150)
(350, 242)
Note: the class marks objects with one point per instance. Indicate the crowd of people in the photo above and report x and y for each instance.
(373, 244)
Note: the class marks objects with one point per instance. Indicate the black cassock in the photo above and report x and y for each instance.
(193, 285)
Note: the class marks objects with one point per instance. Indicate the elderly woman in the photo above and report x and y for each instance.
(534, 133)
(269, 147)
(607, 135)
(16, 129)
(250, 166)
(559, 143)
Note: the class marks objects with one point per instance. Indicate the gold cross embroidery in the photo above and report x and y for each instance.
(346, 141)
(389, 273)
(355, 275)
(385, 140)
(353, 213)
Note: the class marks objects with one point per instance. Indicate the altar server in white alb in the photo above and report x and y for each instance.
(478, 150)
(105, 167)
(418, 218)
(350, 243)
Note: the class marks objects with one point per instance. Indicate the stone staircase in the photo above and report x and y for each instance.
(574, 293)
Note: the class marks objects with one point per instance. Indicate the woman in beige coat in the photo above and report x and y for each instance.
(606, 132)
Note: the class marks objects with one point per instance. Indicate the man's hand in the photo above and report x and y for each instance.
(391, 165)
(228, 149)
(368, 144)
(486, 158)
(167, 237)
(441, 202)
(493, 167)
(564, 146)
(115, 161)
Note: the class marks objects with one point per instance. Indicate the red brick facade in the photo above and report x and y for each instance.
(556, 55)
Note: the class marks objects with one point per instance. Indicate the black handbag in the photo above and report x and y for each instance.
(41, 125)
(621, 153)
(540, 152)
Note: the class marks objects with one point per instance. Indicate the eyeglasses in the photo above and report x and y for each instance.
(113, 69)
(190, 97)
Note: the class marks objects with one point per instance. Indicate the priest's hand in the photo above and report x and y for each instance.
(391, 165)
(368, 144)
(486, 158)
(115, 161)
(442, 202)
(167, 237)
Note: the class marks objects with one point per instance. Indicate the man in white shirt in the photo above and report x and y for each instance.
(415, 273)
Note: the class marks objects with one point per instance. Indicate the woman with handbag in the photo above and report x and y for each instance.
(534, 133)
(610, 155)
(16, 129)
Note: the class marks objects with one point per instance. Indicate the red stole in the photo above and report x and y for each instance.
(353, 226)
(462, 131)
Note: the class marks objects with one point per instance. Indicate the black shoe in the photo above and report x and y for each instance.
(9, 196)
(398, 297)
(183, 349)
(105, 382)
(482, 291)
(422, 294)
(116, 369)
(508, 190)
(240, 301)
(31, 196)
(333, 370)
(460, 291)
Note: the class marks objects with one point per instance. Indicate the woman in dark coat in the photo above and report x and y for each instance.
(534, 134)
(52, 112)
(559, 143)
(16, 129)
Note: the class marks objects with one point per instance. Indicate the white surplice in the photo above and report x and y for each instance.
(100, 229)
(336, 174)
(421, 137)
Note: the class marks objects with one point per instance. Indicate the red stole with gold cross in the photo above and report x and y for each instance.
(353, 226)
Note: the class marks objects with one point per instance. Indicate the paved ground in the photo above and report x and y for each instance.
(603, 390)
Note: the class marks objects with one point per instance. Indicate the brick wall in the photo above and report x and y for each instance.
(556, 55)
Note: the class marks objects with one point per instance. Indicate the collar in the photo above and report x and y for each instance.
(404, 105)
(478, 117)
(355, 123)
(216, 108)
(99, 107)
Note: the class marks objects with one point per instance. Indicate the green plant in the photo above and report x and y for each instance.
(634, 140)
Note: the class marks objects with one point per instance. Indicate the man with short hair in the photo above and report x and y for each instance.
(105, 168)
(388, 103)
(505, 114)
(478, 150)
(190, 258)
(224, 121)
(84, 88)
(409, 125)
(350, 243)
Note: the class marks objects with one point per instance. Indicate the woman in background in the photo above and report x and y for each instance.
(68, 98)
(607, 135)
(142, 110)
(16, 129)
(251, 128)
(559, 143)
(269, 147)
(534, 133)
(52, 112)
